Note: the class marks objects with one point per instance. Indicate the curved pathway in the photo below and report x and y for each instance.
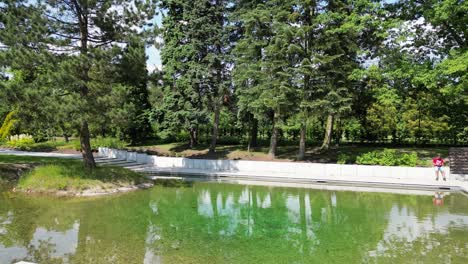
(39, 154)
(169, 173)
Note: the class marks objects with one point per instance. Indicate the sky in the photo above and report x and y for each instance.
(153, 61)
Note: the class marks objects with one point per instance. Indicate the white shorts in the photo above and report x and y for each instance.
(437, 168)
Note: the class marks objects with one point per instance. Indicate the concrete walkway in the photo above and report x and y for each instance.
(282, 179)
(38, 154)
(274, 178)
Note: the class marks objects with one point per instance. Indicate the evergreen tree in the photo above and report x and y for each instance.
(134, 76)
(263, 67)
(79, 29)
(195, 64)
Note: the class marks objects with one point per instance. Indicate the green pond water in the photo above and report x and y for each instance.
(227, 223)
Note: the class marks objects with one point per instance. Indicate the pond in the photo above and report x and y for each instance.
(228, 223)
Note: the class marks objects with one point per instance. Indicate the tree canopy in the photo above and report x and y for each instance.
(236, 71)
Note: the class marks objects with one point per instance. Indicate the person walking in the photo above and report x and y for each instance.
(438, 163)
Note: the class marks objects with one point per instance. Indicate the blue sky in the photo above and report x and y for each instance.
(154, 58)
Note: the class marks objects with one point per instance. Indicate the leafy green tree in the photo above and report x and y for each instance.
(77, 29)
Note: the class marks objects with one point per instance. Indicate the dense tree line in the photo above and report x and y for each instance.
(310, 71)
(238, 71)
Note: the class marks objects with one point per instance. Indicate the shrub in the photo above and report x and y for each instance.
(103, 142)
(25, 143)
(409, 159)
(343, 158)
(388, 157)
(369, 158)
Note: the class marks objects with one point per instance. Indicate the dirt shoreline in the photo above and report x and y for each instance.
(90, 192)
(12, 171)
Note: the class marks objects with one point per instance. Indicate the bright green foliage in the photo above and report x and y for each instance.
(388, 157)
(383, 115)
(21, 143)
(7, 126)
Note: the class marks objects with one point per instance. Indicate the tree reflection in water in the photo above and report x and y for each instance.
(220, 223)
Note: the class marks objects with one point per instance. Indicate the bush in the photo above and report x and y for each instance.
(409, 159)
(388, 157)
(25, 143)
(103, 142)
(28, 144)
(343, 158)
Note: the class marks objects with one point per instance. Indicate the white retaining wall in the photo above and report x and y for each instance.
(275, 169)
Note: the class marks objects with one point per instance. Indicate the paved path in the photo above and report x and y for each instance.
(198, 174)
(162, 173)
(38, 154)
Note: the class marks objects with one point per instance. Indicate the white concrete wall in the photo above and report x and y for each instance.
(276, 169)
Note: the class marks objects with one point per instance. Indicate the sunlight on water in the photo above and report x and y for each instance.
(222, 223)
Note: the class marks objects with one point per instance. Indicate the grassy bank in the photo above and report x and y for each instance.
(53, 175)
(72, 177)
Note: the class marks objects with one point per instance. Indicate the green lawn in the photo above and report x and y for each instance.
(57, 174)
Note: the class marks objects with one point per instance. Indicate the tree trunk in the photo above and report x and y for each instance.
(253, 142)
(274, 139)
(86, 146)
(338, 132)
(82, 14)
(302, 142)
(193, 137)
(214, 134)
(328, 133)
(66, 138)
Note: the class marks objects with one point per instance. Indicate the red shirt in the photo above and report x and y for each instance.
(438, 162)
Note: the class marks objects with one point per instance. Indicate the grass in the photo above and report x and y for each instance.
(59, 174)
(73, 177)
